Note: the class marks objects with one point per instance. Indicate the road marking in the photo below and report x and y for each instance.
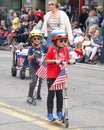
(31, 117)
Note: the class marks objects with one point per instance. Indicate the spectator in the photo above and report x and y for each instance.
(38, 22)
(96, 45)
(38, 12)
(78, 53)
(3, 32)
(76, 28)
(101, 15)
(23, 10)
(79, 50)
(70, 11)
(5, 14)
(82, 18)
(1, 15)
(24, 20)
(30, 16)
(30, 26)
(22, 34)
(101, 19)
(15, 22)
(102, 55)
(92, 29)
(9, 20)
(79, 37)
(87, 41)
(91, 20)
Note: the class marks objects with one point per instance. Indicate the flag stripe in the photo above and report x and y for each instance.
(60, 81)
(42, 71)
(20, 61)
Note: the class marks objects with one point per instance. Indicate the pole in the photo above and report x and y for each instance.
(89, 4)
(20, 5)
(103, 4)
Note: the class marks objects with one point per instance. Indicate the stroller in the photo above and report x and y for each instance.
(20, 61)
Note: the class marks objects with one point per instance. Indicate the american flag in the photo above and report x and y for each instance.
(42, 71)
(20, 60)
(60, 81)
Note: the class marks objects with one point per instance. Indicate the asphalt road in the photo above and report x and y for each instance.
(85, 92)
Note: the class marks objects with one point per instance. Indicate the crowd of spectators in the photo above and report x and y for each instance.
(88, 31)
(14, 25)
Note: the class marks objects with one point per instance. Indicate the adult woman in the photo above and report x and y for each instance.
(38, 23)
(96, 45)
(9, 19)
(30, 16)
(56, 19)
(91, 20)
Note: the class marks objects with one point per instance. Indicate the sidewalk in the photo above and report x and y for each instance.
(4, 47)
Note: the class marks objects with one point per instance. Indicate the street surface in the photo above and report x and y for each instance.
(85, 91)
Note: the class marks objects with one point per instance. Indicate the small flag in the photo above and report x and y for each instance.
(20, 60)
(42, 71)
(60, 81)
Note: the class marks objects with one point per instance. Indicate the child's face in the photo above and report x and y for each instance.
(36, 40)
(79, 45)
(62, 42)
(86, 38)
(97, 33)
(2, 22)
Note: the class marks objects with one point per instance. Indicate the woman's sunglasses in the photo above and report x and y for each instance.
(51, 4)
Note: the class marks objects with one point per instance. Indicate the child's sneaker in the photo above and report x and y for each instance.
(59, 115)
(29, 100)
(51, 117)
(39, 97)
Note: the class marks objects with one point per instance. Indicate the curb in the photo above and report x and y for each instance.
(5, 48)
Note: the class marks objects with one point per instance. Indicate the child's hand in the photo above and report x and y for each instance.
(37, 52)
(57, 61)
(72, 61)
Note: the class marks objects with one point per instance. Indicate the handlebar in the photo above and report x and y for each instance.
(65, 63)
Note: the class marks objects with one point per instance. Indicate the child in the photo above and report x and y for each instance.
(56, 54)
(34, 59)
(3, 32)
(78, 38)
(79, 50)
(78, 53)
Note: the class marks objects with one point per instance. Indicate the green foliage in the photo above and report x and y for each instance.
(62, 2)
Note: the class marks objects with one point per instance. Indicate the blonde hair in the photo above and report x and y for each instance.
(53, 1)
(79, 45)
(11, 11)
(92, 29)
(57, 5)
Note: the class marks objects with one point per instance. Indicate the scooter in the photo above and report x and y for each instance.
(35, 92)
(36, 87)
(65, 119)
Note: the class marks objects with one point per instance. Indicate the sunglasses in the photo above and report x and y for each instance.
(51, 4)
(38, 38)
(63, 40)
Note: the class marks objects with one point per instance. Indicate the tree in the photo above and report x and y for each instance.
(62, 2)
